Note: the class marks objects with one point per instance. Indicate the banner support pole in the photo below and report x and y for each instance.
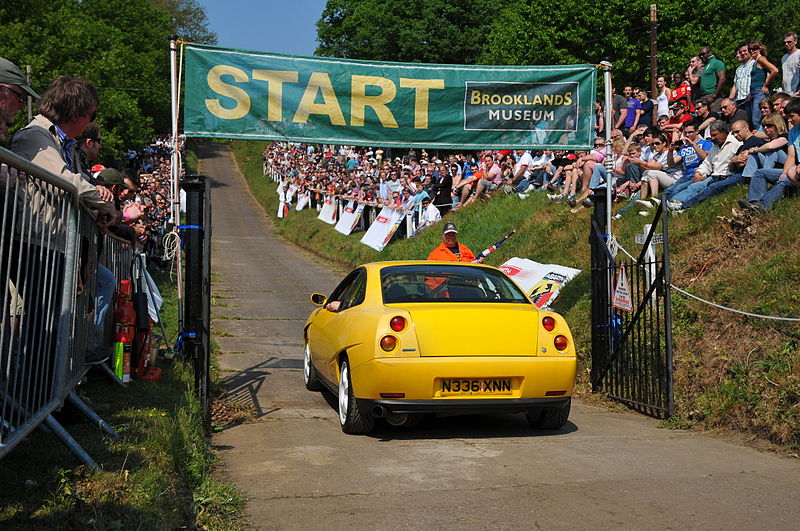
(609, 160)
(175, 171)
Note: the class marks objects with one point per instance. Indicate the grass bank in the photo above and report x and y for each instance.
(156, 475)
(732, 372)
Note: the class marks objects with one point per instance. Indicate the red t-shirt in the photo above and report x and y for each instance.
(684, 91)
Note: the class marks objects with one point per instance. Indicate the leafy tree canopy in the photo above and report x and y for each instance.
(550, 31)
(122, 46)
(429, 31)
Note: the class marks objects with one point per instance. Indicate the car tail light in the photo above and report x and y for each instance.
(549, 323)
(393, 395)
(398, 323)
(561, 343)
(388, 343)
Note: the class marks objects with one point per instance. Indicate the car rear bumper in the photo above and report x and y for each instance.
(381, 408)
(542, 379)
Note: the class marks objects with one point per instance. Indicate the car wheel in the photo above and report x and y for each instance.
(351, 418)
(549, 419)
(309, 372)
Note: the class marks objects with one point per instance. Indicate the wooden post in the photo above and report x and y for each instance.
(653, 50)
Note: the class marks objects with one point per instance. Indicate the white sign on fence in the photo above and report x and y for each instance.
(622, 293)
(383, 228)
(349, 218)
(328, 212)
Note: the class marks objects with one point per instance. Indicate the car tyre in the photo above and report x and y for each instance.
(309, 372)
(549, 419)
(351, 418)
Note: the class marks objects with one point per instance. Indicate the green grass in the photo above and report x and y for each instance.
(731, 371)
(156, 475)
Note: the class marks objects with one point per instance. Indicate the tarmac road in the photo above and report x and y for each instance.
(602, 470)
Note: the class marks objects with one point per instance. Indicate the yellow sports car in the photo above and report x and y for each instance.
(400, 339)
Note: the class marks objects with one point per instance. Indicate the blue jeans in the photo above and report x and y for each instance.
(768, 160)
(598, 175)
(678, 186)
(758, 186)
(716, 187)
(691, 190)
(105, 291)
(631, 203)
(755, 110)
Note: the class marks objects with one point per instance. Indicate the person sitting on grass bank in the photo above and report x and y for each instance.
(759, 199)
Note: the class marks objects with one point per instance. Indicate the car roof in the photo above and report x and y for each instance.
(376, 266)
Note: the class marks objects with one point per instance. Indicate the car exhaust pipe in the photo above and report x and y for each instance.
(379, 411)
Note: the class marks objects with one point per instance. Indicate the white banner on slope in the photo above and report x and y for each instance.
(349, 218)
(541, 281)
(328, 212)
(302, 201)
(383, 228)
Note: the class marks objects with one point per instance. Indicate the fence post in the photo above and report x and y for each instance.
(600, 287)
(196, 303)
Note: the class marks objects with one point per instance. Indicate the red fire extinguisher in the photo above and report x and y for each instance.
(124, 332)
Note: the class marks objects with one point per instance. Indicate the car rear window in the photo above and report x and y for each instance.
(446, 283)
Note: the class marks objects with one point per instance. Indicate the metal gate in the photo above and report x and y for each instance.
(631, 319)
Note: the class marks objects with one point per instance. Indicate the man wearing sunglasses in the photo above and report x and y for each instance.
(14, 92)
(67, 107)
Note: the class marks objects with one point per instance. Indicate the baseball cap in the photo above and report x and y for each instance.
(110, 177)
(97, 168)
(449, 227)
(11, 75)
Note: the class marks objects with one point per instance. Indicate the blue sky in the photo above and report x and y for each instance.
(281, 26)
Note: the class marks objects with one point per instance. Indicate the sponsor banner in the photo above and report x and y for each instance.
(349, 218)
(302, 201)
(328, 212)
(254, 95)
(383, 228)
(293, 188)
(283, 209)
(541, 282)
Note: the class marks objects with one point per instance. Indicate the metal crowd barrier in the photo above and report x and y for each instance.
(48, 264)
(117, 255)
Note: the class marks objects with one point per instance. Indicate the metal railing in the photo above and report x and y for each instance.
(48, 265)
(412, 218)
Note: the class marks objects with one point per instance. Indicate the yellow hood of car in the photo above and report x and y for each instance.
(465, 329)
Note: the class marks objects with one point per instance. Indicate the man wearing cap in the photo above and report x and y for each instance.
(14, 90)
(450, 250)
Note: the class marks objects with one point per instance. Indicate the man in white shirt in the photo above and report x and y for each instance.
(790, 64)
(430, 215)
(522, 170)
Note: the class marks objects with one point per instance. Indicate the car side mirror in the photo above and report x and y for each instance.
(319, 299)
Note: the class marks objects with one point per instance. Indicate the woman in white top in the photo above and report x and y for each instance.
(664, 95)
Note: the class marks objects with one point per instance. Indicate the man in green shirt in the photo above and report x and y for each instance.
(712, 80)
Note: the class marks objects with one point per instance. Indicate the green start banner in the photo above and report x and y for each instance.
(252, 95)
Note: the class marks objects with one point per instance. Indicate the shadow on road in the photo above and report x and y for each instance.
(458, 426)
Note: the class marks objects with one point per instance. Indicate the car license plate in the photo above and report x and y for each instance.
(476, 386)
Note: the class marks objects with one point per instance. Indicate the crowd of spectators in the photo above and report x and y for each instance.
(690, 140)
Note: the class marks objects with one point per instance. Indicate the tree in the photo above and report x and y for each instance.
(569, 31)
(431, 31)
(189, 20)
(122, 46)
